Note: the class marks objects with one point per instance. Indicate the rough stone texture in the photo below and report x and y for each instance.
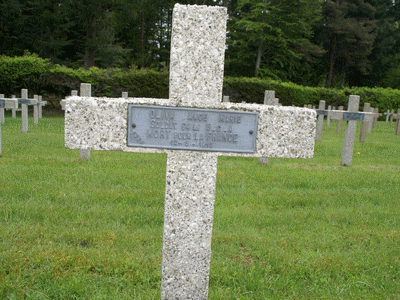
(197, 53)
(348, 142)
(101, 124)
(320, 122)
(188, 220)
(196, 76)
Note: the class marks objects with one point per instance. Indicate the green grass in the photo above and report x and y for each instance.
(295, 229)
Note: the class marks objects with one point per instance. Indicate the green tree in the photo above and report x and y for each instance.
(271, 38)
(385, 55)
(347, 32)
(94, 31)
(50, 27)
(13, 24)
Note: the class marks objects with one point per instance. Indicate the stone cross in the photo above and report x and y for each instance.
(14, 110)
(37, 109)
(339, 122)
(329, 116)
(365, 124)
(352, 115)
(6, 103)
(397, 118)
(85, 91)
(391, 116)
(2, 116)
(24, 101)
(193, 127)
(269, 99)
(41, 103)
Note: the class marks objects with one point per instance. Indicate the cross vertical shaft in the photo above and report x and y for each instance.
(196, 74)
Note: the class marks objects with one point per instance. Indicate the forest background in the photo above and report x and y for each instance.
(315, 43)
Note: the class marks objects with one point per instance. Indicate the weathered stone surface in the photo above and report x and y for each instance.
(197, 53)
(101, 124)
(188, 220)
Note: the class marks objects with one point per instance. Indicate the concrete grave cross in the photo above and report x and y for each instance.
(397, 118)
(40, 105)
(193, 127)
(352, 116)
(6, 103)
(269, 99)
(2, 104)
(24, 101)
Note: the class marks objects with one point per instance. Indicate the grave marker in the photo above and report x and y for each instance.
(85, 91)
(2, 116)
(36, 110)
(6, 103)
(397, 117)
(391, 116)
(329, 116)
(352, 115)
(320, 121)
(339, 122)
(269, 99)
(387, 114)
(186, 120)
(14, 110)
(24, 101)
(369, 124)
(365, 124)
(41, 103)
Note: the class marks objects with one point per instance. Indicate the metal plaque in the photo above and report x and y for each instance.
(355, 116)
(26, 101)
(191, 129)
(2, 103)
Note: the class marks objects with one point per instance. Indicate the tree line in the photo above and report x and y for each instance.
(310, 42)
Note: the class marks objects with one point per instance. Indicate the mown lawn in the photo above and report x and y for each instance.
(295, 229)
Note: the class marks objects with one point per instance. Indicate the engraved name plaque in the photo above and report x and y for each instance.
(191, 129)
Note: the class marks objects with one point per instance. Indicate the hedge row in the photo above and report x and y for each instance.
(55, 82)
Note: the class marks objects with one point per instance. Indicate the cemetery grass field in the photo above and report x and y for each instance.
(295, 229)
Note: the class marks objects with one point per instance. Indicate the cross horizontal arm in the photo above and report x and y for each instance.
(345, 115)
(101, 124)
(8, 103)
(27, 101)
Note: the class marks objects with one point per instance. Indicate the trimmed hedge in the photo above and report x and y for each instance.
(55, 82)
(252, 90)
